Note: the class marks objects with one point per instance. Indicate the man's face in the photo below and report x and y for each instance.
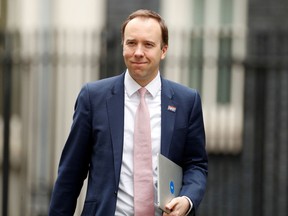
(142, 50)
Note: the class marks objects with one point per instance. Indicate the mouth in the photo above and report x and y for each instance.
(138, 63)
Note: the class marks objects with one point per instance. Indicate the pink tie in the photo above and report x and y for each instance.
(143, 175)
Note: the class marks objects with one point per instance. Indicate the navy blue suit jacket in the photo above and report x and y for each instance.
(95, 146)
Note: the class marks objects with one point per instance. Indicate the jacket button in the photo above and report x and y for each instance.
(115, 193)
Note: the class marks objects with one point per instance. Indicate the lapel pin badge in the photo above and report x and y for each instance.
(171, 108)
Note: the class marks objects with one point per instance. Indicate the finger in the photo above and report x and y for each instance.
(171, 204)
(178, 206)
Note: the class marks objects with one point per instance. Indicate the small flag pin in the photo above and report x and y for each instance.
(172, 108)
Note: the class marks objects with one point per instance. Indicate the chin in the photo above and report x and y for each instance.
(138, 72)
(138, 75)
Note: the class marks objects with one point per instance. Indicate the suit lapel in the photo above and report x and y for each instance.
(168, 113)
(115, 109)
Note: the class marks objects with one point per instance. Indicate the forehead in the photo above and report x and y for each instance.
(142, 27)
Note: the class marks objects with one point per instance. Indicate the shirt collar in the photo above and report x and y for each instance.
(131, 86)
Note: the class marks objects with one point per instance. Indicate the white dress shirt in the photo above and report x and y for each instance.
(125, 202)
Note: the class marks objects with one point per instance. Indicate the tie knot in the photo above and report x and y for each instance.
(142, 91)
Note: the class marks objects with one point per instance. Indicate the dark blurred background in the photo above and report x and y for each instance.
(235, 52)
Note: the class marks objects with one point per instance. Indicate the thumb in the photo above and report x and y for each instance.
(171, 205)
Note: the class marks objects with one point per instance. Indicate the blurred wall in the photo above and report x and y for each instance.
(206, 51)
(266, 110)
(55, 47)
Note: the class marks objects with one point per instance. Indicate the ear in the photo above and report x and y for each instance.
(164, 51)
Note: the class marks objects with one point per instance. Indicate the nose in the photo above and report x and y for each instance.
(139, 51)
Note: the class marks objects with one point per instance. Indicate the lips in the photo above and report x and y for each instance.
(138, 63)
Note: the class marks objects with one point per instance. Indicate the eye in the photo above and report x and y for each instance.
(149, 45)
(130, 43)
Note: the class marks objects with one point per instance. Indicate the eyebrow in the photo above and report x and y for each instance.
(146, 41)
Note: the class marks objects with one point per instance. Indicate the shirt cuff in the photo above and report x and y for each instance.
(191, 205)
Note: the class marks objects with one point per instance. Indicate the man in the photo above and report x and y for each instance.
(102, 137)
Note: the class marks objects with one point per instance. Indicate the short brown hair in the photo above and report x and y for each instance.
(147, 14)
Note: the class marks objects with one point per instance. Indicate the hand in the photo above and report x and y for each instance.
(177, 207)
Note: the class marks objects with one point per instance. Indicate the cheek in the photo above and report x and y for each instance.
(126, 53)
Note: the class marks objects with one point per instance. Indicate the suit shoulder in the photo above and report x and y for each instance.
(104, 86)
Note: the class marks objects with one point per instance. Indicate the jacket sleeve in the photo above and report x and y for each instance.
(195, 164)
(74, 162)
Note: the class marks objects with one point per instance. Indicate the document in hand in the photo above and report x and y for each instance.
(169, 181)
